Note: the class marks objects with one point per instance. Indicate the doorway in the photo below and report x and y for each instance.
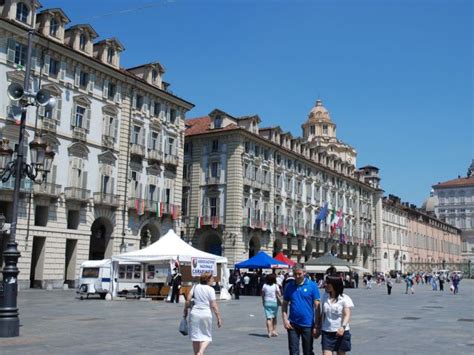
(37, 262)
(70, 263)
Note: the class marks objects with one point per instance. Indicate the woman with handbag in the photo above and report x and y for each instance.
(271, 297)
(203, 297)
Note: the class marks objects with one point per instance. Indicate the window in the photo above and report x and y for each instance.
(111, 91)
(82, 42)
(20, 54)
(218, 121)
(154, 75)
(214, 169)
(83, 79)
(313, 129)
(110, 126)
(154, 141)
(105, 184)
(186, 148)
(110, 55)
(184, 206)
(53, 67)
(173, 115)
(169, 146)
(213, 206)
(139, 102)
(325, 129)
(257, 150)
(53, 27)
(136, 134)
(152, 193)
(80, 116)
(247, 147)
(22, 12)
(157, 109)
(265, 154)
(185, 171)
(215, 146)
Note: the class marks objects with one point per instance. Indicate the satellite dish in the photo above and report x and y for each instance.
(42, 97)
(15, 91)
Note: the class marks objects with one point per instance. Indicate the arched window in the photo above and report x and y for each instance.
(22, 12)
(110, 55)
(82, 42)
(385, 255)
(53, 27)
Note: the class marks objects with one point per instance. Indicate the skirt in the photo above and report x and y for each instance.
(200, 324)
(330, 341)
(271, 309)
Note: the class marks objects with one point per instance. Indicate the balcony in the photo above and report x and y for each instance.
(6, 188)
(79, 134)
(49, 125)
(213, 221)
(47, 189)
(156, 155)
(76, 194)
(258, 221)
(137, 149)
(171, 159)
(213, 180)
(152, 206)
(108, 141)
(105, 199)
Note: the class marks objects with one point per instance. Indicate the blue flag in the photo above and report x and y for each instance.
(321, 216)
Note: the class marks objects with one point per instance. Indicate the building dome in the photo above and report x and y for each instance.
(430, 203)
(319, 112)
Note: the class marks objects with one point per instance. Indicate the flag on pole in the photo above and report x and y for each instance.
(321, 216)
(340, 219)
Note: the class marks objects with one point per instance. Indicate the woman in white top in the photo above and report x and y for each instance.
(336, 314)
(270, 295)
(200, 318)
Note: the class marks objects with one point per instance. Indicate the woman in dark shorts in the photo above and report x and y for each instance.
(336, 313)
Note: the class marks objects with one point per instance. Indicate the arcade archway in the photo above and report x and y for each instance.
(101, 230)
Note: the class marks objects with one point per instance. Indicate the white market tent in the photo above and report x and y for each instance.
(171, 247)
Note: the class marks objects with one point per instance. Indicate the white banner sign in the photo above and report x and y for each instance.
(201, 265)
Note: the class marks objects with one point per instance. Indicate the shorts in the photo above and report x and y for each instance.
(330, 341)
(271, 309)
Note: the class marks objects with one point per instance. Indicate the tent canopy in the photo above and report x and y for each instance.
(321, 264)
(261, 261)
(168, 247)
(282, 257)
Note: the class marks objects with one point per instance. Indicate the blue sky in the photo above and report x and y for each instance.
(396, 76)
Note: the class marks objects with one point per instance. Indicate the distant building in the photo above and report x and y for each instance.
(455, 206)
(248, 188)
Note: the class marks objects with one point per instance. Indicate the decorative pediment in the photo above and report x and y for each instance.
(107, 157)
(52, 140)
(78, 149)
(53, 88)
(110, 109)
(16, 76)
(83, 99)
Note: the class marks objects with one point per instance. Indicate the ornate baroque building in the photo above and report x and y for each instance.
(248, 188)
(454, 204)
(118, 135)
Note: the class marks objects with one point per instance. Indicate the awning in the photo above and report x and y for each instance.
(321, 269)
(360, 269)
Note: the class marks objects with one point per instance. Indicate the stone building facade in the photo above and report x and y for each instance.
(247, 188)
(454, 204)
(414, 240)
(118, 135)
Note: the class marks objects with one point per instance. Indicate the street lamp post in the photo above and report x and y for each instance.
(41, 160)
(469, 268)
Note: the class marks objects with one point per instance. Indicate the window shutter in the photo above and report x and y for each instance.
(105, 89)
(53, 173)
(11, 50)
(149, 139)
(73, 116)
(62, 72)
(34, 56)
(105, 125)
(145, 105)
(118, 94)
(134, 101)
(152, 108)
(41, 110)
(115, 123)
(84, 179)
(112, 185)
(147, 189)
(140, 190)
(142, 138)
(101, 183)
(91, 82)
(46, 64)
(57, 109)
(77, 76)
(88, 119)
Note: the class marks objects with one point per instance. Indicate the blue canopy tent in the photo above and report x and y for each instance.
(261, 261)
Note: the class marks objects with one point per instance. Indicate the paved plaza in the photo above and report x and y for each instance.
(55, 322)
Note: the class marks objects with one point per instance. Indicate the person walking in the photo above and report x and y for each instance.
(336, 313)
(356, 279)
(237, 286)
(441, 278)
(175, 285)
(270, 296)
(246, 284)
(456, 281)
(389, 282)
(200, 316)
(301, 297)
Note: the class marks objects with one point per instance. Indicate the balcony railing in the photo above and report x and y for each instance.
(263, 222)
(156, 155)
(152, 206)
(171, 159)
(137, 149)
(213, 221)
(10, 185)
(213, 180)
(108, 141)
(49, 125)
(105, 199)
(47, 189)
(79, 133)
(76, 194)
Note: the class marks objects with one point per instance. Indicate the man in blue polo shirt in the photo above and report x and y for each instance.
(302, 295)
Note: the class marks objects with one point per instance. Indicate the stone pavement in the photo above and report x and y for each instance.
(55, 322)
